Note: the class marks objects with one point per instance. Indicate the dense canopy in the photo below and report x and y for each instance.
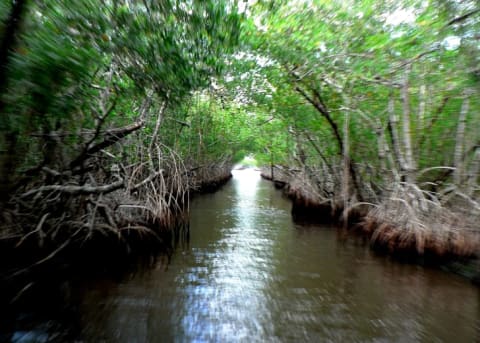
(113, 111)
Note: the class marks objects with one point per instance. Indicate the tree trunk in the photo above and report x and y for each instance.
(319, 151)
(158, 123)
(272, 167)
(346, 165)
(319, 105)
(421, 119)
(410, 164)
(9, 42)
(8, 138)
(393, 130)
(473, 172)
(421, 108)
(459, 143)
(382, 154)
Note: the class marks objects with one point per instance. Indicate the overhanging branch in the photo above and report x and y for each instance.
(74, 190)
(111, 137)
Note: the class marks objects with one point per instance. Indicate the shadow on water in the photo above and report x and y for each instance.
(250, 274)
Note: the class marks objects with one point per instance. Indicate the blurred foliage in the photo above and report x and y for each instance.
(232, 77)
(354, 55)
(76, 68)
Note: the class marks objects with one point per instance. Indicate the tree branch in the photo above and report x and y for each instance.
(463, 17)
(147, 180)
(320, 106)
(73, 190)
(111, 137)
(9, 41)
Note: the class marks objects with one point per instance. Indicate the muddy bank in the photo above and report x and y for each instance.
(307, 204)
(209, 178)
(444, 243)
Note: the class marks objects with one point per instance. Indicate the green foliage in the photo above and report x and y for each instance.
(74, 62)
(248, 161)
(352, 56)
(90, 66)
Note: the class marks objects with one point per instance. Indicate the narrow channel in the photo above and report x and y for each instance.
(249, 274)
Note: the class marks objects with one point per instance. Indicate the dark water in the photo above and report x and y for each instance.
(250, 274)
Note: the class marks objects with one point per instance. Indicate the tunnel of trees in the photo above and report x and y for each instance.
(113, 112)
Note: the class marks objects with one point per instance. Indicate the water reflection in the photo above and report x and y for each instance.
(251, 275)
(227, 298)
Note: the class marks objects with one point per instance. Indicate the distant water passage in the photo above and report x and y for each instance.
(250, 274)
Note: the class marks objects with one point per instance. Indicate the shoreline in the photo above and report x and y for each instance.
(23, 266)
(382, 239)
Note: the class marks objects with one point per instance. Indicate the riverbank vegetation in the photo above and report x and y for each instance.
(114, 112)
(378, 108)
(107, 124)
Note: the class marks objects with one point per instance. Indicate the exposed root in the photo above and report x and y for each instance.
(63, 212)
(208, 178)
(403, 219)
(415, 221)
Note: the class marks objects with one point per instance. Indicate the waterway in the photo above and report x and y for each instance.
(250, 274)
